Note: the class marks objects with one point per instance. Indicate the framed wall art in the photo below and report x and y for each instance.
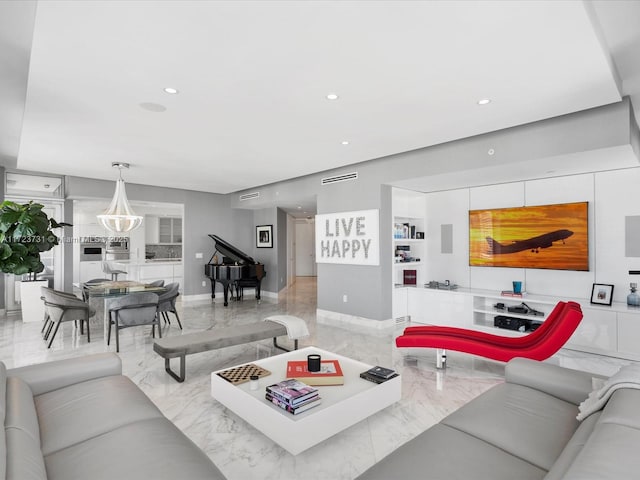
(545, 236)
(264, 236)
(602, 294)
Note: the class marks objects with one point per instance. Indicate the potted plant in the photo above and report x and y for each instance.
(26, 232)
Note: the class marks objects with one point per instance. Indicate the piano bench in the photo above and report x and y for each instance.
(182, 345)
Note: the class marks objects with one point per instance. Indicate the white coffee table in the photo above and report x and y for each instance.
(341, 407)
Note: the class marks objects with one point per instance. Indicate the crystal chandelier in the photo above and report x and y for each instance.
(119, 217)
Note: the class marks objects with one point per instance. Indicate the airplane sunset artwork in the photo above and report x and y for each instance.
(545, 236)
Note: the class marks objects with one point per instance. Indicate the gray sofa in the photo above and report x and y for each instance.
(523, 429)
(81, 419)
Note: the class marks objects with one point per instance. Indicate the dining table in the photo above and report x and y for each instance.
(108, 290)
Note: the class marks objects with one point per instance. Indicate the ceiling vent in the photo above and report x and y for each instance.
(339, 178)
(249, 196)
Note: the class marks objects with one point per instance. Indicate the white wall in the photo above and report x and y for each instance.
(612, 196)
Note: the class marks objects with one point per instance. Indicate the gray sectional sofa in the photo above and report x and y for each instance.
(81, 419)
(526, 429)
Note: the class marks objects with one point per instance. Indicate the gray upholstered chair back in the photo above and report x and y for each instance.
(135, 308)
(85, 291)
(167, 301)
(157, 283)
(57, 303)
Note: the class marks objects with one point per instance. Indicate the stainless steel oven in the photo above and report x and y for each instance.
(92, 251)
(117, 245)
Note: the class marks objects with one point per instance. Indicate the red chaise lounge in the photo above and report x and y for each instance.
(538, 345)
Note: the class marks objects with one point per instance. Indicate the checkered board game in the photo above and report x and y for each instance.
(243, 373)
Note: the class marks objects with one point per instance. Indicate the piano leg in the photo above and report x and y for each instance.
(213, 288)
(226, 294)
(258, 290)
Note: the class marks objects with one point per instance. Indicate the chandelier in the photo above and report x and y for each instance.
(119, 217)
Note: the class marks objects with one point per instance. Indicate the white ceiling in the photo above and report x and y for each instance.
(253, 79)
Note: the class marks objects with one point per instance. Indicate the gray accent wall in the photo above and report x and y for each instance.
(281, 245)
(274, 259)
(204, 213)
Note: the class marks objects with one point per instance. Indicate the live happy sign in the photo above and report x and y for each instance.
(348, 238)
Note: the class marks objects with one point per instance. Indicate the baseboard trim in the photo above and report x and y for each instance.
(328, 317)
(194, 298)
(248, 292)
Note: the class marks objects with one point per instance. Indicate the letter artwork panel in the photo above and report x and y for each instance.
(348, 238)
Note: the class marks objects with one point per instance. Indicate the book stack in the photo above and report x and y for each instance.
(293, 396)
(330, 373)
(379, 374)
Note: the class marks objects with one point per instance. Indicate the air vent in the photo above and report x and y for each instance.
(249, 196)
(339, 178)
(401, 320)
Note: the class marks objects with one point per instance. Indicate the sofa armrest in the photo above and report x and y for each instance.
(572, 386)
(46, 377)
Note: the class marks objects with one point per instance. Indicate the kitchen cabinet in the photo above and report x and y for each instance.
(152, 270)
(163, 230)
(170, 230)
(151, 230)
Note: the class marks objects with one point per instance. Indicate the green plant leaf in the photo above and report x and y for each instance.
(5, 251)
(25, 232)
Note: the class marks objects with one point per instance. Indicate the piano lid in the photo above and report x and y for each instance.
(232, 252)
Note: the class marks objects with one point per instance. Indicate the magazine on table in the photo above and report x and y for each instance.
(292, 391)
(302, 407)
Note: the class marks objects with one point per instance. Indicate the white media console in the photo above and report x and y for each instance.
(608, 330)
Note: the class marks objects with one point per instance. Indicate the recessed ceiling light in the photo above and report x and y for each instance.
(491, 151)
(171, 90)
(299, 207)
(484, 101)
(332, 96)
(345, 142)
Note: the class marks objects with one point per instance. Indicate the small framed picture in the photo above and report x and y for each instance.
(602, 294)
(264, 236)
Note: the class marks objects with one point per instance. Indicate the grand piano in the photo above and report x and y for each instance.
(237, 270)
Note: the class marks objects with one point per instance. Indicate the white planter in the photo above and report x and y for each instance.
(30, 302)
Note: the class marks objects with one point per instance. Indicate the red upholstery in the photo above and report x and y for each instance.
(539, 345)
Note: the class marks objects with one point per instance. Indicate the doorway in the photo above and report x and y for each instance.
(304, 248)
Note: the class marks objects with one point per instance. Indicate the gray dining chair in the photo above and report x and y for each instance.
(106, 268)
(64, 307)
(133, 310)
(167, 303)
(47, 318)
(85, 290)
(157, 283)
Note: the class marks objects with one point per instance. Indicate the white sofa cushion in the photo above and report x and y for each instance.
(611, 451)
(153, 451)
(524, 422)
(85, 410)
(24, 457)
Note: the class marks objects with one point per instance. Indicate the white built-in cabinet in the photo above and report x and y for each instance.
(409, 250)
(608, 330)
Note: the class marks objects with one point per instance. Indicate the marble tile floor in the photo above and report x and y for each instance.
(240, 451)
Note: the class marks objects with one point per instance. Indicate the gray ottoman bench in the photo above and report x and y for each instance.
(182, 345)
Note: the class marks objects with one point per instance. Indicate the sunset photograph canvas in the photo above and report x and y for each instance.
(545, 236)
